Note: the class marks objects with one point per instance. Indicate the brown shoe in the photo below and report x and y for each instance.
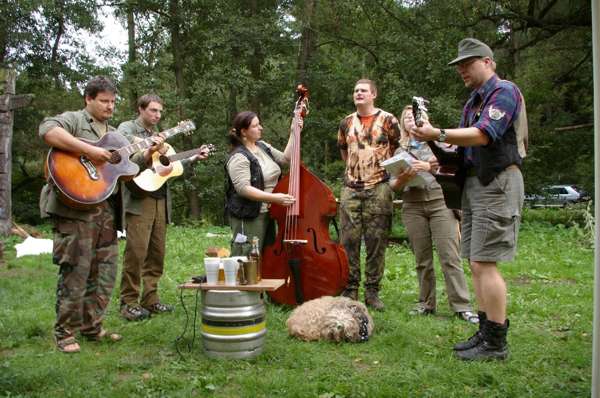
(372, 300)
(350, 293)
(134, 312)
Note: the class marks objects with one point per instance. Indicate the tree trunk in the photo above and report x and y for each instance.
(60, 30)
(8, 102)
(7, 88)
(307, 41)
(178, 68)
(132, 55)
(256, 62)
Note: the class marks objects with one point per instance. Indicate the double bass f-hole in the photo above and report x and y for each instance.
(312, 231)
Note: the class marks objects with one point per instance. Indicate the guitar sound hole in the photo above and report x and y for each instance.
(164, 160)
(115, 157)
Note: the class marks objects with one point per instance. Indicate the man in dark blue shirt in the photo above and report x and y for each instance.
(493, 189)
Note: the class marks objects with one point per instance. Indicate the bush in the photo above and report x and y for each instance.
(575, 215)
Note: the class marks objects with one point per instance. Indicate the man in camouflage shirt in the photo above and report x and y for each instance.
(365, 138)
(85, 241)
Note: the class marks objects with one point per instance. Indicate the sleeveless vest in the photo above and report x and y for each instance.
(235, 204)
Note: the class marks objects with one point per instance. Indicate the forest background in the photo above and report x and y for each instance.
(209, 59)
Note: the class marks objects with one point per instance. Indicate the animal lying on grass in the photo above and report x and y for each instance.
(331, 318)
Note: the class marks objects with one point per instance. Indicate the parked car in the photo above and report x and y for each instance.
(557, 196)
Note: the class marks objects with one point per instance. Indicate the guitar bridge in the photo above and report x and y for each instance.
(89, 167)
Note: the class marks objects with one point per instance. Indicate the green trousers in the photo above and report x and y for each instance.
(144, 258)
(249, 228)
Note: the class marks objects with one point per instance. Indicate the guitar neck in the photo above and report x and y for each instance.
(183, 155)
(148, 142)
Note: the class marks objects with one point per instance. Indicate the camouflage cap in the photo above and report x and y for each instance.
(469, 48)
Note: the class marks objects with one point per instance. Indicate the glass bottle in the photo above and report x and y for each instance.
(255, 255)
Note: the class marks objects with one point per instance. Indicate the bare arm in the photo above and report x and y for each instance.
(60, 138)
(287, 153)
(257, 195)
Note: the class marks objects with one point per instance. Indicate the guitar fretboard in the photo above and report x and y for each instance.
(147, 143)
(210, 148)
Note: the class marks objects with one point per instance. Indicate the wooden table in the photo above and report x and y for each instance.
(268, 285)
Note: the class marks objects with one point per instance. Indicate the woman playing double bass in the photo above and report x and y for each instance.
(253, 169)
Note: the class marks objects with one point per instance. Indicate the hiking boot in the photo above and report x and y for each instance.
(350, 293)
(493, 346)
(160, 308)
(134, 312)
(372, 300)
(477, 338)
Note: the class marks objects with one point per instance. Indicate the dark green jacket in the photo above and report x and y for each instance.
(79, 124)
(133, 129)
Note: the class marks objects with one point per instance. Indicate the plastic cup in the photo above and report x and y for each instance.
(230, 266)
(211, 266)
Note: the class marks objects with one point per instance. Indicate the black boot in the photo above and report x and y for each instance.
(494, 345)
(477, 338)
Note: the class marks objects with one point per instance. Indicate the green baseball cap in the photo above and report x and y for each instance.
(469, 48)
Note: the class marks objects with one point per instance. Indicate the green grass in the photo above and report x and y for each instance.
(550, 308)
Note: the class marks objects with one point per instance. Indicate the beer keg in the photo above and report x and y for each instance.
(233, 323)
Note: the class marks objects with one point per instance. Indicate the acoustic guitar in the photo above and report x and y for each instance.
(448, 175)
(82, 183)
(152, 179)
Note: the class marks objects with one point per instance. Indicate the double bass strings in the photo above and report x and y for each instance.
(293, 188)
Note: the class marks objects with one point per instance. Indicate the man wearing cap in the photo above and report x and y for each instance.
(493, 189)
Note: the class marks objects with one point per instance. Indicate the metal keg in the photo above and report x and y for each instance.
(233, 323)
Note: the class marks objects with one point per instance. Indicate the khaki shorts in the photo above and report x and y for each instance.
(491, 217)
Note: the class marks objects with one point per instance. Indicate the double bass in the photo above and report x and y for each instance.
(303, 254)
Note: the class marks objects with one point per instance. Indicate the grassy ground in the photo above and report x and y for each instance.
(550, 308)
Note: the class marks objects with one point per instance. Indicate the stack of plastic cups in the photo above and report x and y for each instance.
(211, 266)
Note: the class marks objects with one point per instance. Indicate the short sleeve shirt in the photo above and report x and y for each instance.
(368, 142)
(80, 124)
(492, 108)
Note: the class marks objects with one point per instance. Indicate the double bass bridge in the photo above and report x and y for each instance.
(296, 241)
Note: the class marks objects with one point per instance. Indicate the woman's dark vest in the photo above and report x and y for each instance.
(237, 205)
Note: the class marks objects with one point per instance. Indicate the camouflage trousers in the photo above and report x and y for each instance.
(366, 215)
(86, 253)
(144, 257)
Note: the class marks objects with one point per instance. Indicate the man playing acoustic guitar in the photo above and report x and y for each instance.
(85, 240)
(147, 216)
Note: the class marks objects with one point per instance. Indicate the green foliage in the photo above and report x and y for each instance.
(573, 215)
(550, 288)
(209, 59)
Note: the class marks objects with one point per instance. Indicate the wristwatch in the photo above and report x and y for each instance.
(442, 137)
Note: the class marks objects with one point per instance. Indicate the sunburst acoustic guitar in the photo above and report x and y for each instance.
(152, 178)
(83, 184)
